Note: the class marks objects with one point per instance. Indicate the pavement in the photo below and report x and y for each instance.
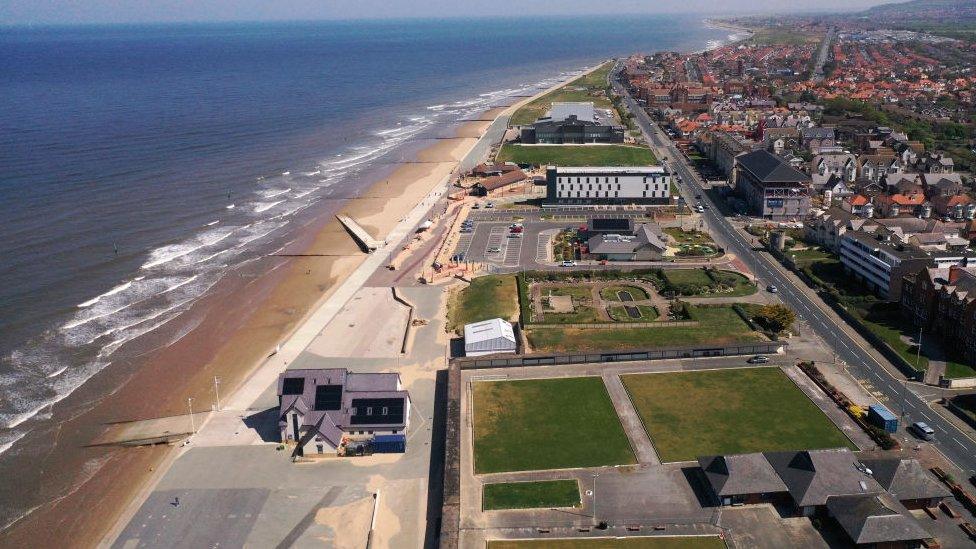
(846, 345)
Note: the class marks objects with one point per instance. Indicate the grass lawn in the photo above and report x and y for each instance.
(885, 321)
(577, 155)
(717, 325)
(580, 294)
(808, 256)
(610, 293)
(591, 87)
(691, 414)
(531, 495)
(687, 276)
(619, 313)
(539, 424)
(958, 369)
(638, 542)
(486, 297)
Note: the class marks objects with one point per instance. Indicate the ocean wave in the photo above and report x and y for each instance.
(113, 291)
(8, 439)
(271, 193)
(172, 252)
(265, 206)
(212, 223)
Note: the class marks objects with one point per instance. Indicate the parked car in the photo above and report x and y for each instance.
(772, 289)
(568, 264)
(467, 230)
(494, 250)
(758, 359)
(922, 430)
(515, 235)
(477, 206)
(490, 205)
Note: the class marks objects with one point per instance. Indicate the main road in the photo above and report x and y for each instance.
(953, 443)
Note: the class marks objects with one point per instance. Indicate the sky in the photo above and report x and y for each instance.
(20, 12)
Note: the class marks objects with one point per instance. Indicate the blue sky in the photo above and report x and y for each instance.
(121, 11)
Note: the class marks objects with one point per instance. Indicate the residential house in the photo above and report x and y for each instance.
(908, 481)
(943, 302)
(874, 167)
(322, 410)
(843, 165)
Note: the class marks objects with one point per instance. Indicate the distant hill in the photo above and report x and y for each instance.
(929, 10)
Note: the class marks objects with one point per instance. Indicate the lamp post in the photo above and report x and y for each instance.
(189, 404)
(217, 391)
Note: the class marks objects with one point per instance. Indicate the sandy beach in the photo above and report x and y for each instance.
(83, 490)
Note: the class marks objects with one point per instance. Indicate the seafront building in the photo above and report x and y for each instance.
(327, 411)
(573, 123)
(603, 185)
(771, 188)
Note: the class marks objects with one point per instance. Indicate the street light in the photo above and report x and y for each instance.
(189, 404)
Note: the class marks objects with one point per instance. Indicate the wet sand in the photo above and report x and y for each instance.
(83, 491)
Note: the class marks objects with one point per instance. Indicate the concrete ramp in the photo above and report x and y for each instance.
(163, 430)
(363, 238)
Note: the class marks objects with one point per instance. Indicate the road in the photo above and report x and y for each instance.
(816, 71)
(953, 443)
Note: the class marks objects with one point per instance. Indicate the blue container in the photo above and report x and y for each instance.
(881, 417)
(389, 444)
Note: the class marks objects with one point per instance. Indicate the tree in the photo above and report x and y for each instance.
(777, 318)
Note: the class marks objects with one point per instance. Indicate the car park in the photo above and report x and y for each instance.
(922, 430)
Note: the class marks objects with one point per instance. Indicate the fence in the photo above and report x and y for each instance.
(957, 383)
(665, 353)
(616, 325)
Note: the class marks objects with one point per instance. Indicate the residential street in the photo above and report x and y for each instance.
(847, 346)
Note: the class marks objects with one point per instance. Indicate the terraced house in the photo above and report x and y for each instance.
(943, 302)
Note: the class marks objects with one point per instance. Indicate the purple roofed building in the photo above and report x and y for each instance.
(320, 410)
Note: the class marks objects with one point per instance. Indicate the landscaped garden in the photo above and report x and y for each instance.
(623, 293)
(692, 414)
(531, 495)
(707, 283)
(717, 325)
(692, 243)
(638, 542)
(543, 424)
(633, 313)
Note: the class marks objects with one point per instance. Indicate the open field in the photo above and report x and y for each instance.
(486, 297)
(691, 414)
(718, 325)
(531, 495)
(642, 542)
(546, 424)
(577, 155)
(591, 87)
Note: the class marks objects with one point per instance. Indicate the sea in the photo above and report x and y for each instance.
(140, 164)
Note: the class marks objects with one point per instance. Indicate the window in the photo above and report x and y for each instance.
(369, 410)
(616, 180)
(370, 432)
(616, 194)
(386, 410)
(320, 448)
(588, 180)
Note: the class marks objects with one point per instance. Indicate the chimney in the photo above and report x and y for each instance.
(954, 272)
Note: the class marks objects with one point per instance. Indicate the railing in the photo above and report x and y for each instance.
(664, 353)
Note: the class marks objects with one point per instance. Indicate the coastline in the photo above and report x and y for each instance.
(256, 314)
